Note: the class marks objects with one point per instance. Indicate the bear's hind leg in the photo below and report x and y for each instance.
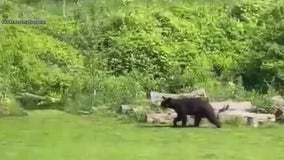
(197, 120)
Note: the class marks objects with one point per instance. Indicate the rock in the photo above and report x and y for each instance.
(233, 110)
(279, 115)
(8, 107)
(243, 107)
(165, 118)
(126, 109)
(137, 112)
(93, 109)
(264, 118)
(278, 103)
(84, 112)
(252, 119)
(242, 110)
(160, 118)
(252, 122)
(156, 97)
(4, 111)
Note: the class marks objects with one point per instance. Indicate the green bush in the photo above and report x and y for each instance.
(113, 91)
(158, 40)
(123, 49)
(10, 107)
(37, 63)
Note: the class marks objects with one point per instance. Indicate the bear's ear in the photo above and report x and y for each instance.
(164, 97)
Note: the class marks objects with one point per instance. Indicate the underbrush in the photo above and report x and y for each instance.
(107, 53)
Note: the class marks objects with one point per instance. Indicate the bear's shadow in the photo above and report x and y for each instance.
(168, 126)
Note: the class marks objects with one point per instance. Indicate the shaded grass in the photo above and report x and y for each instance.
(48, 135)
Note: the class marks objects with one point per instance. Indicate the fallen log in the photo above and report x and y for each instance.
(239, 106)
(248, 118)
(36, 97)
(245, 106)
(156, 97)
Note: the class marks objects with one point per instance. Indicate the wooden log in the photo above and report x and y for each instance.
(36, 97)
(30, 96)
(156, 97)
(245, 106)
(39, 101)
(248, 118)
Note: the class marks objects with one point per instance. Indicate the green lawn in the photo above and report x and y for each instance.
(50, 135)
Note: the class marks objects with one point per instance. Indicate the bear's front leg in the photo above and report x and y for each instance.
(184, 120)
(178, 118)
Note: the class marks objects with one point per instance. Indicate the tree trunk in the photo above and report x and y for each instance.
(64, 8)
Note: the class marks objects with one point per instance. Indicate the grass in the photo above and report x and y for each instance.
(49, 135)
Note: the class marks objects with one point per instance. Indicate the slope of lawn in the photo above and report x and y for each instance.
(49, 135)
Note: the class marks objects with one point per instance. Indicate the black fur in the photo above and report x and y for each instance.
(191, 106)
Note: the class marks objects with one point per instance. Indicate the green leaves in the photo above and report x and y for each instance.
(37, 63)
(138, 46)
(198, 39)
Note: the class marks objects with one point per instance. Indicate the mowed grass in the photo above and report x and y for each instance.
(52, 135)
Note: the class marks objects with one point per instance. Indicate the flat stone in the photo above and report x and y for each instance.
(247, 118)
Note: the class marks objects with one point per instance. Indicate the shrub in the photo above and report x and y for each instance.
(125, 48)
(114, 91)
(46, 67)
(10, 107)
(228, 40)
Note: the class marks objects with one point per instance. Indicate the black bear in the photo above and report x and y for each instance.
(192, 106)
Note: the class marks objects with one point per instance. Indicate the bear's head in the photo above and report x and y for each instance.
(166, 102)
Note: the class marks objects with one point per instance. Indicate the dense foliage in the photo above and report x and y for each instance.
(122, 49)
